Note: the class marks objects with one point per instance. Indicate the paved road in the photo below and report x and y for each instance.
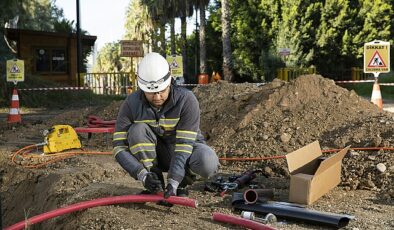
(388, 106)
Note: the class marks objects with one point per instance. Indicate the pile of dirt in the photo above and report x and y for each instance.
(249, 120)
(238, 120)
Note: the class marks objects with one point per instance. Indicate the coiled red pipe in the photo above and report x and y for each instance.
(220, 217)
(95, 122)
(101, 202)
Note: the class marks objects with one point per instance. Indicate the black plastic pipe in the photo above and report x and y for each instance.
(292, 212)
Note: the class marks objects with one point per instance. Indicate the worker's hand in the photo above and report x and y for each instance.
(170, 191)
(171, 188)
(152, 183)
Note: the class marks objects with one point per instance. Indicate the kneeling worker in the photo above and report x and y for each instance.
(157, 130)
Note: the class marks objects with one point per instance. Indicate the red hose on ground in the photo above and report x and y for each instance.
(101, 202)
(284, 156)
(220, 217)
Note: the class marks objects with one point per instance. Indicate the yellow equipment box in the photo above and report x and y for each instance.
(60, 138)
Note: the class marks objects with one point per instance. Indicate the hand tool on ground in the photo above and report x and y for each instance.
(233, 183)
(269, 218)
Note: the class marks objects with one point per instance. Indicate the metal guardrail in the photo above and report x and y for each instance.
(358, 74)
(288, 74)
(119, 83)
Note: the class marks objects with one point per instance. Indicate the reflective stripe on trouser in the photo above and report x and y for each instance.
(142, 143)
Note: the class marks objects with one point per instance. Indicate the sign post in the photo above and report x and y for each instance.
(131, 48)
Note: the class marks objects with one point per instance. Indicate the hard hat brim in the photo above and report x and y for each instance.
(161, 87)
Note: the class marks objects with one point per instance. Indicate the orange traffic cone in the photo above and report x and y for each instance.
(376, 97)
(14, 115)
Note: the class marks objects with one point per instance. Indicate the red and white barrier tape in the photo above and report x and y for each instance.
(359, 81)
(120, 87)
(55, 88)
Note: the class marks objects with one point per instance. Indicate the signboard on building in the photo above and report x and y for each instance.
(15, 70)
(131, 48)
(377, 57)
(284, 51)
(176, 65)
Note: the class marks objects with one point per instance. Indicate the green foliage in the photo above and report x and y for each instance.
(40, 15)
(328, 35)
(108, 59)
(31, 14)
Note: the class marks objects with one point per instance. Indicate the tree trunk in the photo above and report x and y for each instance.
(203, 51)
(227, 55)
(184, 50)
(163, 44)
(172, 24)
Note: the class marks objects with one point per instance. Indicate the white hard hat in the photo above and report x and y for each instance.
(153, 73)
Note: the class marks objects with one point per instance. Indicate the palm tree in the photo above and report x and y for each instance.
(227, 58)
(203, 51)
(185, 10)
(138, 24)
(157, 10)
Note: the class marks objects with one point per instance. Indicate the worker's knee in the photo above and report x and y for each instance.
(138, 128)
(140, 132)
(204, 161)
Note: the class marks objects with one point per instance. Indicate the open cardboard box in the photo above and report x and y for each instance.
(311, 175)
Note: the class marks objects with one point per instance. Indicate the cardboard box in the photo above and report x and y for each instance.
(311, 175)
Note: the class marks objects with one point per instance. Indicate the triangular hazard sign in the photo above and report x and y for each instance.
(376, 61)
(174, 64)
(15, 69)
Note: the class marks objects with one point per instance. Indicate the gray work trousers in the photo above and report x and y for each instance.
(203, 160)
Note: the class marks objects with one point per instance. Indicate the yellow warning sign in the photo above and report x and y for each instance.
(377, 57)
(15, 70)
(176, 65)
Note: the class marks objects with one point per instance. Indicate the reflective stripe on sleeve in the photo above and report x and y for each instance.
(188, 135)
(168, 123)
(120, 136)
(152, 123)
(118, 149)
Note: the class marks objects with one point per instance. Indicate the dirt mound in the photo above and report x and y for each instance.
(239, 120)
(248, 120)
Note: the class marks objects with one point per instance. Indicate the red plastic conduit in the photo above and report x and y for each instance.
(220, 217)
(284, 156)
(101, 202)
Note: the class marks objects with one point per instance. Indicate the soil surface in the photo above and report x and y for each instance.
(238, 120)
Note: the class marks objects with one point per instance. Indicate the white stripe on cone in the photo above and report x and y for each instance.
(15, 97)
(14, 111)
(376, 97)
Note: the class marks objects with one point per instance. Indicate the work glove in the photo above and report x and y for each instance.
(150, 181)
(172, 186)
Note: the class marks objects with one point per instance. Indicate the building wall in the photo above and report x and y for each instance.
(28, 45)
